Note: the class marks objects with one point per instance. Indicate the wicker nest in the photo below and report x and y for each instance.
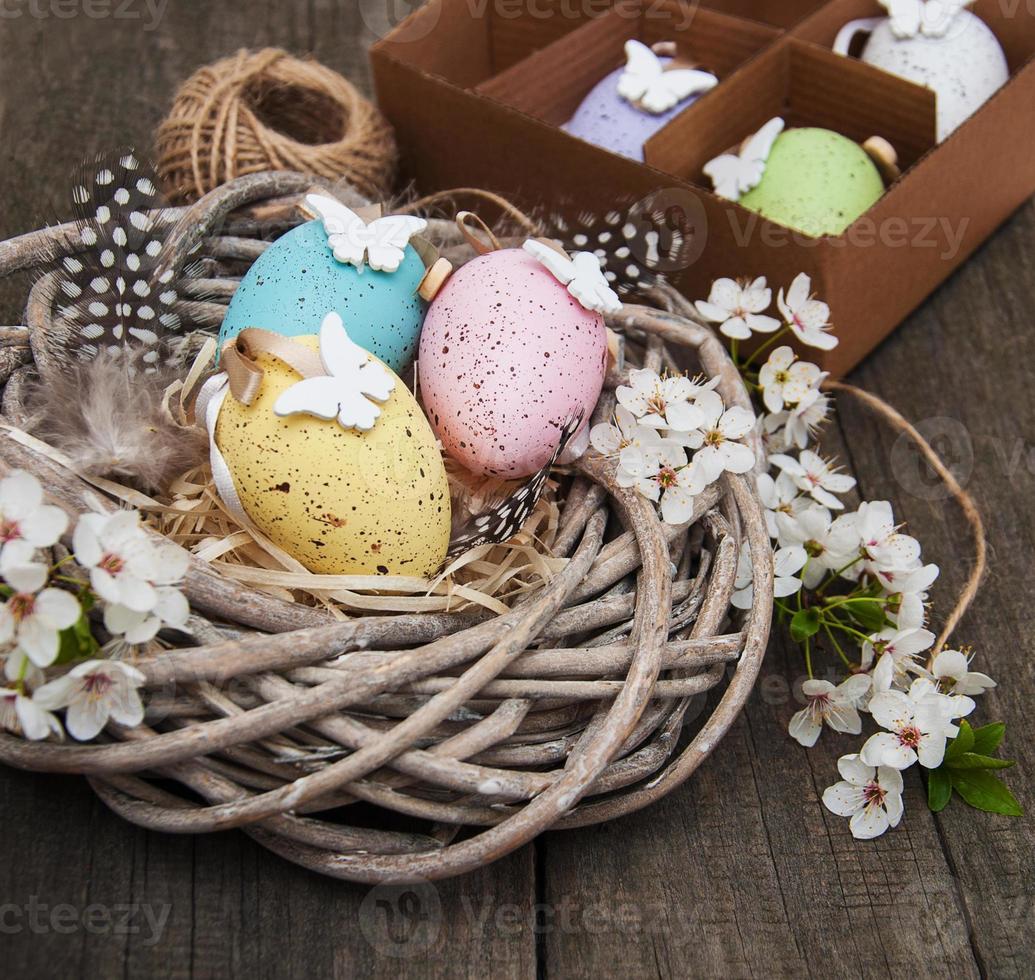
(486, 728)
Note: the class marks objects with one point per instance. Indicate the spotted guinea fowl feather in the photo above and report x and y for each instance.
(503, 521)
(117, 342)
(118, 295)
(638, 246)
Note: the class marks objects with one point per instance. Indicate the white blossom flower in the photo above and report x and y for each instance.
(925, 691)
(610, 438)
(661, 403)
(816, 477)
(19, 668)
(34, 616)
(901, 647)
(787, 562)
(652, 472)
(797, 426)
(20, 714)
(172, 609)
(906, 611)
(915, 731)
(871, 796)
(677, 504)
(737, 308)
(884, 550)
(808, 318)
(785, 380)
(914, 581)
(836, 706)
(951, 671)
(720, 428)
(631, 442)
(24, 517)
(93, 692)
(779, 496)
(829, 548)
(132, 573)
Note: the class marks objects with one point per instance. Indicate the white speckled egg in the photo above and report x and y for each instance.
(340, 501)
(965, 67)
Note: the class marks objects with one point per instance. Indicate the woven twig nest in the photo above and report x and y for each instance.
(567, 710)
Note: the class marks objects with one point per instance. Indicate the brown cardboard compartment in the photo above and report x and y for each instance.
(778, 13)
(551, 83)
(808, 86)
(929, 222)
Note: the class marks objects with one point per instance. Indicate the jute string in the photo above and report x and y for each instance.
(267, 110)
(964, 499)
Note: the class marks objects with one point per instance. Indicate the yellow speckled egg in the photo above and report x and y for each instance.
(340, 501)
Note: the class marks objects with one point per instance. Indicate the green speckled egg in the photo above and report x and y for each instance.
(342, 502)
(817, 182)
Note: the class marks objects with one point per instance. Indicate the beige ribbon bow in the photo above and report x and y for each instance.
(243, 372)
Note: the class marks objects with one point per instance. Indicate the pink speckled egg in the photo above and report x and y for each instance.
(506, 354)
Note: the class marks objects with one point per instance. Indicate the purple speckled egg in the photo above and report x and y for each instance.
(506, 354)
(606, 119)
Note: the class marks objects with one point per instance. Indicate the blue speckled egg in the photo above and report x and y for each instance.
(293, 285)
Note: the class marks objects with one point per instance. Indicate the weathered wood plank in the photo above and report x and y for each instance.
(742, 872)
(69, 88)
(962, 369)
(745, 874)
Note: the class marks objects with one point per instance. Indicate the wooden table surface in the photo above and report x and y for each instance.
(740, 873)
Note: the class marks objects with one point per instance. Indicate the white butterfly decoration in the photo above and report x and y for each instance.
(353, 378)
(580, 273)
(380, 243)
(647, 84)
(931, 18)
(734, 174)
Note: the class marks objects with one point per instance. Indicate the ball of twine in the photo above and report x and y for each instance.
(267, 110)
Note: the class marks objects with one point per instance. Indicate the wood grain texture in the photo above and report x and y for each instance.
(741, 872)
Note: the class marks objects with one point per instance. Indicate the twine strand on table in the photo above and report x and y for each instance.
(966, 502)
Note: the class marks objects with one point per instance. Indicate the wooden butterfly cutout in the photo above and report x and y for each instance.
(379, 243)
(354, 382)
(580, 272)
(930, 18)
(650, 85)
(734, 174)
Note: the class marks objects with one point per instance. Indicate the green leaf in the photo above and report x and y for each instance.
(988, 737)
(983, 791)
(972, 760)
(806, 623)
(868, 613)
(939, 789)
(961, 744)
(77, 642)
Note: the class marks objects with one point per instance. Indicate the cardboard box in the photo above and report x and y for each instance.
(476, 91)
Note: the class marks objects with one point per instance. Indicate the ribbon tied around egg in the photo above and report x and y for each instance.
(342, 382)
